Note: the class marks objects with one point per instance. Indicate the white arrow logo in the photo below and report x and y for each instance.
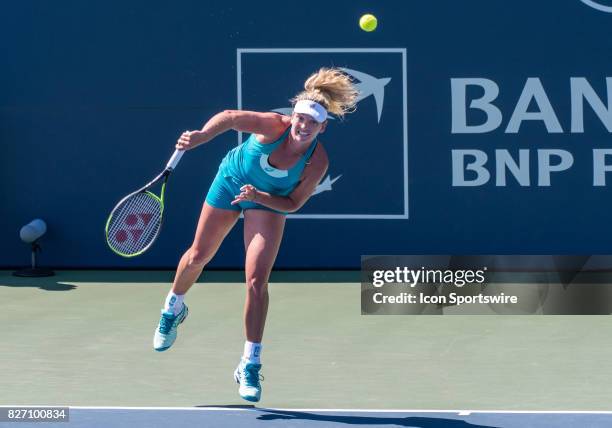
(325, 185)
(369, 85)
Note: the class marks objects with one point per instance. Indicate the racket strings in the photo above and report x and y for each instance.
(135, 223)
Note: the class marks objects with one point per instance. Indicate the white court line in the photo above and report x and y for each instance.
(460, 412)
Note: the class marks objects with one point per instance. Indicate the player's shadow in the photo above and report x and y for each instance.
(408, 421)
(48, 283)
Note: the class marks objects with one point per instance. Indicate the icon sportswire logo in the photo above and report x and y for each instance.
(601, 5)
(368, 85)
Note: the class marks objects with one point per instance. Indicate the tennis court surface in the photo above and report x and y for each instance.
(82, 417)
(84, 339)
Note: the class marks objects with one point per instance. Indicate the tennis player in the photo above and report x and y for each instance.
(274, 172)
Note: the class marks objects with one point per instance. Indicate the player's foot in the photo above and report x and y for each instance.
(165, 333)
(248, 377)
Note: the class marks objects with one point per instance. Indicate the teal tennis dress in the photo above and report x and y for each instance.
(248, 164)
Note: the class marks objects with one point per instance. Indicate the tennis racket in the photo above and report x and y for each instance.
(136, 220)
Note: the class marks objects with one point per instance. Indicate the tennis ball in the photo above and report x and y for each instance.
(368, 22)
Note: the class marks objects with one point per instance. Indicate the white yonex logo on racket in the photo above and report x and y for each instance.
(597, 4)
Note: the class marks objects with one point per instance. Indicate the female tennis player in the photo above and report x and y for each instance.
(272, 173)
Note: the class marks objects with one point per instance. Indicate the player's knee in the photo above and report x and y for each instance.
(198, 258)
(257, 287)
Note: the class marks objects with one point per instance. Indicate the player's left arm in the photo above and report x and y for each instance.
(311, 176)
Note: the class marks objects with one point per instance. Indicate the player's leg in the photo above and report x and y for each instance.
(263, 232)
(213, 226)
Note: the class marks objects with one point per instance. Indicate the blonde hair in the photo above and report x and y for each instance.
(331, 88)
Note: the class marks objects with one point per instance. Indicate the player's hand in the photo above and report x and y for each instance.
(247, 193)
(189, 140)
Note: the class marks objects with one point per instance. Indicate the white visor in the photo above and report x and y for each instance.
(311, 108)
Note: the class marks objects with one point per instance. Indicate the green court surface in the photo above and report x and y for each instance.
(84, 338)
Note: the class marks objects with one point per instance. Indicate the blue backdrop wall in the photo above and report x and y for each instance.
(484, 126)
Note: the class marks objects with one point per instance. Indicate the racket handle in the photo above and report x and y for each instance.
(174, 160)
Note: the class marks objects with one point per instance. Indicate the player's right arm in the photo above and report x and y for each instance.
(267, 125)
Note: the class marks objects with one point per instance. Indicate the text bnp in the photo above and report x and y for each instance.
(482, 114)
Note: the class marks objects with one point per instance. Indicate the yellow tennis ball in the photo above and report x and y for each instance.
(368, 22)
